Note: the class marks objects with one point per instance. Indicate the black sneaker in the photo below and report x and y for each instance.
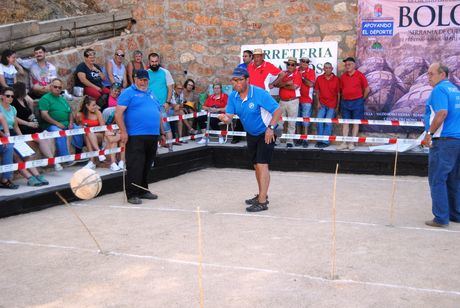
(252, 200)
(289, 145)
(321, 145)
(135, 200)
(298, 142)
(258, 207)
(235, 141)
(149, 196)
(305, 144)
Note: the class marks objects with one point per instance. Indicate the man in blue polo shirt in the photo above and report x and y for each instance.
(442, 125)
(139, 119)
(258, 113)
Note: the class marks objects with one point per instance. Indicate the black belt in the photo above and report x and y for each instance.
(444, 138)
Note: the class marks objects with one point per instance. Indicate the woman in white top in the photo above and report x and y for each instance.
(9, 68)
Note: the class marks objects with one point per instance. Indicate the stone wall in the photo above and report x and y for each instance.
(204, 37)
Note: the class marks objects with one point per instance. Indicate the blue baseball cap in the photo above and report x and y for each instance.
(240, 72)
(141, 74)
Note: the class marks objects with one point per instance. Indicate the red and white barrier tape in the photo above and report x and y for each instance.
(55, 160)
(185, 116)
(85, 130)
(323, 137)
(346, 121)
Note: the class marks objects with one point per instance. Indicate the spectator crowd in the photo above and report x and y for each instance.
(42, 104)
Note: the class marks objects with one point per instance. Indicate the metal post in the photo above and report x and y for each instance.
(75, 33)
(113, 24)
(208, 125)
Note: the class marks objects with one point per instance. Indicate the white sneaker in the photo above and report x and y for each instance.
(90, 165)
(58, 167)
(202, 141)
(342, 146)
(121, 164)
(221, 140)
(102, 158)
(115, 167)
(351, 146)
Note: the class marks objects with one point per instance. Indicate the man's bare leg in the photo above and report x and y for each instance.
(263, 181)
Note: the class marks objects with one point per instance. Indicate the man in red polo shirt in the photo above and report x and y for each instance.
(260, 70)
(289, 95)
(355, 90)
(327, 88)
(306, 94)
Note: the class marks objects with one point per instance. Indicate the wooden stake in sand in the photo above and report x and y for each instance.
(393, 192)
(333, 249)
(124, 185)
(200, 258)
(81, 221)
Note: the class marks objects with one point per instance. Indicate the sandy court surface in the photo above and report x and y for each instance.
(277, 258)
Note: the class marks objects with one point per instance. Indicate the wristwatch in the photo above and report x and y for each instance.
(272, 127)
(429, 133)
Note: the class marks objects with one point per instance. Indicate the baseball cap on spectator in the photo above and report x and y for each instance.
(349, 59)
(141, 74)
(240, 72)
(258, 51)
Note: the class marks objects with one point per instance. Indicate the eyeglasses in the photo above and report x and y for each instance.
(304, 61)
(238, 79)
(291, 64)
(120, 55)
(57, 87)
(9, 95)
(190, 84)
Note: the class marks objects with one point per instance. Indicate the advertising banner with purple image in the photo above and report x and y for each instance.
(397, 41)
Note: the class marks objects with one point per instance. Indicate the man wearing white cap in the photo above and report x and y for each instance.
(289, 95)
(260, 71)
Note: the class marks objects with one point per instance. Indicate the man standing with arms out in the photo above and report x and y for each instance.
(442, 126)
(41, 72)
(289, 95)
(247, 58)
(327, 88)
(258, 112)
(355, 90)
(306, 94)
(260, 70)
(139, 119)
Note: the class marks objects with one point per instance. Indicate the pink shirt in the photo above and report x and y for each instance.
(112, 101)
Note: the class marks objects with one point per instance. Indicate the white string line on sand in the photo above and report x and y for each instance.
(240, 268)
(320, 221)
(358, 177)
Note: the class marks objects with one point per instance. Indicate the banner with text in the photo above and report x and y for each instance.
(397, 41)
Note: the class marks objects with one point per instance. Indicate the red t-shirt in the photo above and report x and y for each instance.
(308, 74)
(257, 75)
(353, 86)
(288, 94)
(214, 102)
(328, 90)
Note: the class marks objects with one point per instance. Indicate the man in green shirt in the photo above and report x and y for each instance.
(57, 115)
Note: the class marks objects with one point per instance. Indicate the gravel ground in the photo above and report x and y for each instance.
(277, 258)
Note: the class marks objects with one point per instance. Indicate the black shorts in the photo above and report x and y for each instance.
(259, 152)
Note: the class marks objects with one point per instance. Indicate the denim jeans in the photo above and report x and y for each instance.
(6, 150)
(304, 112)
(444, 179)
(61, 142)
(325, 112)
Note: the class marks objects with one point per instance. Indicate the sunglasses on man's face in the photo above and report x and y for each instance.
(290, 64)
(120, 55)
(304, 61)
(9, 95)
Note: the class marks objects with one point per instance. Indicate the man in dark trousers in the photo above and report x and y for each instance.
(139, 119)
(259, 113)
